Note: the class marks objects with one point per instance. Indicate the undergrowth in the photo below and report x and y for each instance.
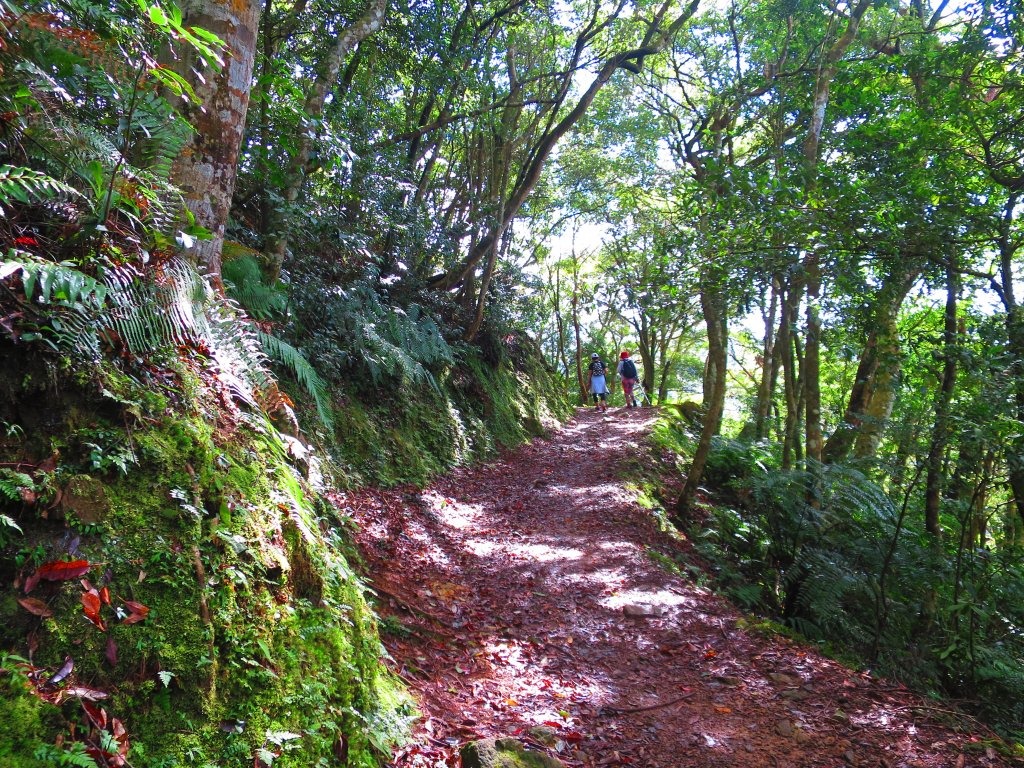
(829, 555)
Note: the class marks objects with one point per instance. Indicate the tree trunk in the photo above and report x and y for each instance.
(812, 360)
(785, 345)
(873, 390)
(769, 366)
(206, 168)
(884, 385)
(940, 431)
(574, 304)
(812, 259)
(712, 306)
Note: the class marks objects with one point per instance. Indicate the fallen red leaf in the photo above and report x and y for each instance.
(136, 612)
(35, 607)
(105, 595)
(98, 715)
(91, 608)
(62, 570)
(111, 652)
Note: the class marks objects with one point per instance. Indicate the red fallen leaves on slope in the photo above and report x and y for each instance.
(136, 612)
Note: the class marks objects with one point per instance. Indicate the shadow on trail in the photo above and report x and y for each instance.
(546, 608)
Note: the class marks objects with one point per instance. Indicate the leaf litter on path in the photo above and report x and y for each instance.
(521, 599)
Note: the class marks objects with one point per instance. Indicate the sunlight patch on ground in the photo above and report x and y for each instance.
(543, 553)
(661, 597)
(456, 514)
(540, 553)
(879, 717)
(483, 547)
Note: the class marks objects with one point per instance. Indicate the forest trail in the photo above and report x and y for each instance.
(524, 593)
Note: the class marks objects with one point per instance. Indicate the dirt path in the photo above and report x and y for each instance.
(512, 588)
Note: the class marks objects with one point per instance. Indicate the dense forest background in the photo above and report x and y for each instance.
(807, 212)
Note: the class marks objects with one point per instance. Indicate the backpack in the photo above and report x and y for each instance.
(629, 369)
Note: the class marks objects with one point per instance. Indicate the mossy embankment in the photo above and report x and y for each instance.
(257, 642)
(483, 403)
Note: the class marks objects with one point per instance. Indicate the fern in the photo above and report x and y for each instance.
(149, 314)
(243, 281)
(25, 185)
(12, 483)
(74, 756)
(289, 357)
(354, 331)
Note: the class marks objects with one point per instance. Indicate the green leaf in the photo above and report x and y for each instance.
(157, 16)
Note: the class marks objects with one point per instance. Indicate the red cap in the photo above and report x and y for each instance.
(624, 355)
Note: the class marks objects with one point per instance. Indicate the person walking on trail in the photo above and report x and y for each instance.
(628, 376)
(598, 386)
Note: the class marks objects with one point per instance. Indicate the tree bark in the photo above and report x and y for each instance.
(575, 306)
(868, 395)
(205, 171)
(790, 381)
(812, 259)
(883, 387)
(712, 305)
(769, 366)
(940, 430)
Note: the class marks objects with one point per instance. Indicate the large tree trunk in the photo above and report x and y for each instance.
(874, 386)
(883, 387)
(812, 259)
(769, 367)
(940, 431)
(713, 307)
(206, 169)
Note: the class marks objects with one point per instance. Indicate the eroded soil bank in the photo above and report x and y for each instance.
(527, 592)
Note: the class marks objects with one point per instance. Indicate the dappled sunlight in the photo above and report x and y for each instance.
(536, 603)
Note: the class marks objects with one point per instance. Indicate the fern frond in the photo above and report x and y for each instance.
(25, 185)
(243, 281)
(11, 485)
(288, 356)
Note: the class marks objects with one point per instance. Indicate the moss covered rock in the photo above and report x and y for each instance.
(504, 753)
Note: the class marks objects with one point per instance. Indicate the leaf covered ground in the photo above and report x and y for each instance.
(529, 597)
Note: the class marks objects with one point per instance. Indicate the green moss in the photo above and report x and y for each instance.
(411, 436)
(25, 721)
(285, 642)
(258, 634)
